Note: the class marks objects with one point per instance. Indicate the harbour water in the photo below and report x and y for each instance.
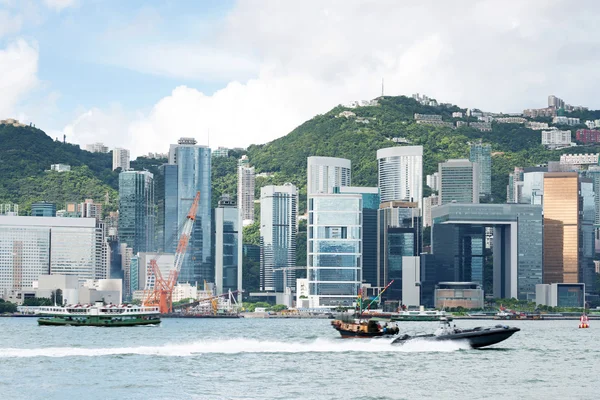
(290, 359)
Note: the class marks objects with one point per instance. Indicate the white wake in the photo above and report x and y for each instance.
(240, 345)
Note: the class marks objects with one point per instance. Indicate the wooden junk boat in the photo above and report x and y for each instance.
(363, 329)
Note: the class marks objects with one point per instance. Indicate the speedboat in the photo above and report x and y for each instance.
(475, 337)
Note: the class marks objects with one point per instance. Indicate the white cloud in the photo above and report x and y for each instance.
(288, 61)
(18, 74)
(60, 4)
(9, 23)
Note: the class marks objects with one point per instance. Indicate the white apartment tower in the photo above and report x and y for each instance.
(325, 173)
(278, 228)
(246, 182)
(120, 159)
(401, 174)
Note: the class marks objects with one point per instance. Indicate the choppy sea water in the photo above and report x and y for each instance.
(291, 359)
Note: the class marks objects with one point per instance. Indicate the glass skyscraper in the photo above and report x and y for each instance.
(278, 229)
(334, 249)
(482, 154)
(228, 247)
(246, 182)
(167, 234)
(326, 173)
(194, 175)
(459, 182)
(137, 210)
(401, 174)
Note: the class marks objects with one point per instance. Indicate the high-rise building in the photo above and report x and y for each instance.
(43, 209)
(370, 206)
(428, 204)
(532, 191)
(399, 235)
(246, 180)
(278, 229)
(228, 247)
(120, 159)
(34, 246)
(562, 221)
(482, 155)
(587, 273)
(334, 249)
(325, 173)
(136, 210)
(401, 174)
(194, 175)
(459, 182)
(167, 214)
(514, 189)
(433, 181)
(96, 148)
(89, 209)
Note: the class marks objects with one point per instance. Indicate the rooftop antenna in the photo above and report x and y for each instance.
(381, 87)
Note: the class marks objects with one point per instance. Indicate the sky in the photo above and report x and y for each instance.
(140, 74)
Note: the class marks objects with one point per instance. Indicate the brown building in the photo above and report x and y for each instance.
(562, 206)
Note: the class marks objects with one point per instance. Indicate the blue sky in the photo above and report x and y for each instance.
(140, 74)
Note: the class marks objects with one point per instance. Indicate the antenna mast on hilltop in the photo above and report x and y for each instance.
(381, 87)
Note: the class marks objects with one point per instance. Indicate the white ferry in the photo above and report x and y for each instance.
(98, 314)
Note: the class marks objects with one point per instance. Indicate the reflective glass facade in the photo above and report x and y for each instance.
(561, 227)
(167, 215)
(482, 155)
(401, 173)
(459, 182)
(137, 210)
(43, 209)
(334, 249)
(570, 295)
(193, 175)
(278, 229)
(399, 235)
(326, 173)
(587, 273)
(228, 247)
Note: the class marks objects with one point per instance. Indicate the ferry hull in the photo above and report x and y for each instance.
(96, 322)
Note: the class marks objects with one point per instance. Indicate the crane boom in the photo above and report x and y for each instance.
(162, 295)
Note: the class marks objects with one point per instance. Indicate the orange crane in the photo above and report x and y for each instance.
(162, 295)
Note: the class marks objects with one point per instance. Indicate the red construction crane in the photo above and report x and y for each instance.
(162, 295)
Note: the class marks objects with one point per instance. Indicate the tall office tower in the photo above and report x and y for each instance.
(278, 229)
(533, 185)
(43, 209)
(325, 173)
(334, 249)
(194, 175)
(562, 221)
(399, 235)
(126, 266)
(167, 198)
(370, 205)
(514, 189)
(459, 182)
(136, 210)
(401, 174)
(587, 272)
(228, 247)
(482, 154)
(120, 159)
(246, 179)
(433, 181)
(34, 246)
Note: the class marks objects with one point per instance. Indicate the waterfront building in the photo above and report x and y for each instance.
(459, 181)
(399, 235)
(428, 204)
(325, 173)
(120, 159)
(562, 215)
(126, 253)
(400, 174)
(370, 207)
(228, 247)
(136, 210)
(278, 229)
(334, 249)
(482, 155)
(246, 182)
(458, 241)
(459, 294)
(167, 199)
(194, 175)
(33, 246)
(560, 295)
(43, 209)
(146, 278)
(587, 274)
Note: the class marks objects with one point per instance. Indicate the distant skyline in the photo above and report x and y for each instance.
(139, 75)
